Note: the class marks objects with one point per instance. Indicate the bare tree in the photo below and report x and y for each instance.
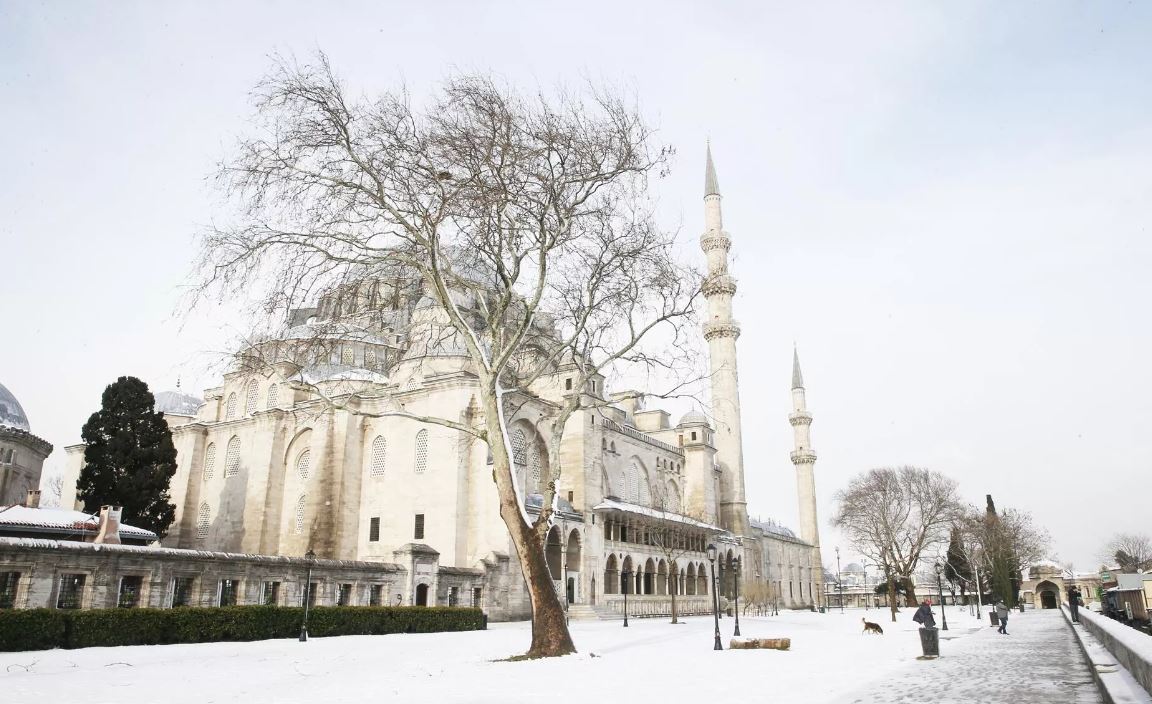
(525, 221)
(675, 535)
(1002, 542)
(1131, 552)
(55, 490)
(893, 515)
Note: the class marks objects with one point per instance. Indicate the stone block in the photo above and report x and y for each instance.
(760, 644)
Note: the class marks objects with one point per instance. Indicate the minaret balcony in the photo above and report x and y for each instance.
(729, 329)
(800, 418)
(715, 240)
(803, 457)
(719, 284)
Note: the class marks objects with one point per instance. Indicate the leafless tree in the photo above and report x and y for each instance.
(526, 220)
(1131, 552)
(675, 534)
(1002, 542)
(894, 515)
(54, 491)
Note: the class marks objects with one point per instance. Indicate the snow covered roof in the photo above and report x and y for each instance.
(535, 501)
(11, 412)
(340, 372)
(773, 527)
(177, 403)
(617, 505)
(56, 520)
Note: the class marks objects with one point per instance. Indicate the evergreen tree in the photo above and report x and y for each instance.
(129, 458)
(957, 570)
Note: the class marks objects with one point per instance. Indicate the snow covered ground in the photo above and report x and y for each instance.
(652, 660)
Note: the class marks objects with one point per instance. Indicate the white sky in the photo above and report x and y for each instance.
(946, 207)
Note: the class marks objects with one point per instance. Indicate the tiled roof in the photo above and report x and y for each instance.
(55, 520)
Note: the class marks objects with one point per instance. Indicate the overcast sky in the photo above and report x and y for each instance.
(946, 208)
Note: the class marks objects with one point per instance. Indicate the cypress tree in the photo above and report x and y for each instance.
(129, 458)
(957, 570)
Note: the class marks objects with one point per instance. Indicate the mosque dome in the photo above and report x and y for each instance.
(177, 403)
(11, 413)
(693, 416)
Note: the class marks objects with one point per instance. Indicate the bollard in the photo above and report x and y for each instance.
(930, 642)
(485, 627)
(993, 618)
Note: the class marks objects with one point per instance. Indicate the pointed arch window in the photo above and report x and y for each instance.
(300, 513)
(534, 465)
(304, 463)
(230, 407)
(252, 397)
(379, 450)
(519, 448)
(273, 395)
(203, 520)
(232, 457)
(632, 482)
(209, 461)
(348, 356)
(370, 359)
(421, 451)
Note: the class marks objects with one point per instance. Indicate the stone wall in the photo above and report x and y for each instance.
(1130, 647)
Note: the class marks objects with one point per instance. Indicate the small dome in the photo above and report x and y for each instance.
(11, 413)
(852, 568)
(177, 403)
(693, 416)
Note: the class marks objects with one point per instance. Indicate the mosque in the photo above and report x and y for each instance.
(268, 468)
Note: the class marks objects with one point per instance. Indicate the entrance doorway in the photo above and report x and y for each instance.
(1047, 600)
(421, 594)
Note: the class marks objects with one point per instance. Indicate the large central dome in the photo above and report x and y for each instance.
(11, 413)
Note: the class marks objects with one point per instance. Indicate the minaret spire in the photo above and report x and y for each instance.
(721, 332)
(804, 460)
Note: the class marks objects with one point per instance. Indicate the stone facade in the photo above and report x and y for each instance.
(22, 454)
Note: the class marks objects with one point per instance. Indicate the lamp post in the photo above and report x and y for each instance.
(736, 585)
(626, 575)
(867, 596)
(839, 582)
(311, 557)
(940, 589)
(711, 552)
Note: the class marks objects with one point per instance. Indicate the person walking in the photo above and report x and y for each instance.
(1002, 614)
(924, 615)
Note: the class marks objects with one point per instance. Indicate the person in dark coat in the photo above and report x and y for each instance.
(924, 615)
(1002, 613)
(1074, 603)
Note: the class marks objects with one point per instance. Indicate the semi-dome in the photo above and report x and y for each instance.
(11, 413)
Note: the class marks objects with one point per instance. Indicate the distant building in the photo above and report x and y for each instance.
(22, 454)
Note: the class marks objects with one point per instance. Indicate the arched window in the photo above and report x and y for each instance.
(370, 359)
(348, 356)
(644, 494)
(421, 451)
(673, 497)
(273, 395)
(203, 520)
(250, 400)
(379, 447)
(230, 407)
(209, 461)
(632, 482)
(304, 463)
(411, 384)
(232, 457)
(519, 448)
(300, 514)
(534, 466)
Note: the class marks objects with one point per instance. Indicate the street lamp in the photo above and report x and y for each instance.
(736, 584)
(940, 589)
(311, 557)
(839, 582)
(626, 575)
(711, 552)
(867, 596)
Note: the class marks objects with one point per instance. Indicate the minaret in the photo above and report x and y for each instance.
(805, 460)
(721, 332)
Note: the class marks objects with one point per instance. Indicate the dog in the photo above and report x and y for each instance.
(870, 627)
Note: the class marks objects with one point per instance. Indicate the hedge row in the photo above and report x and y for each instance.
(40, 629)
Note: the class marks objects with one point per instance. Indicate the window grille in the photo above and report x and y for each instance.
(129, 592)
(304, 463)
(344, 595)
(252, 397)
(71, 591)
(418, 533)
(203, 520)
(376, 595)
(232, 458)
(8, 583)
(230, 407)
(273, 395)
(379, 451)
(348, 356)
(271, 596)
(534, 465)
(519, 447)
(209, 461)
(374, 529)
(182, 591)
(632, 483)
(421, 451)
(228, 590)
(370, 359)
(300, 514)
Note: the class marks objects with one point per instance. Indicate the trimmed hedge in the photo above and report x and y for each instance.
(40, 629)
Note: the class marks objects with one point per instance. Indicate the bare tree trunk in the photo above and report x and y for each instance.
(892, 596)
(910, 592)
(550, 636)
(672, 592)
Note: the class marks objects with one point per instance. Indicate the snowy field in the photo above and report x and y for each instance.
(652, 660)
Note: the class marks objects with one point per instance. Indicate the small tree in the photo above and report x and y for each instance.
(1132, 552)
(129, 458)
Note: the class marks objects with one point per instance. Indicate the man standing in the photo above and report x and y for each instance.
(924, 615)
(1002, 614)
(1074, 603)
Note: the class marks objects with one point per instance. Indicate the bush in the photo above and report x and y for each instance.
(39, 629)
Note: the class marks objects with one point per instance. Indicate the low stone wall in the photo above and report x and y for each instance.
(654, 606)
(1130, 647)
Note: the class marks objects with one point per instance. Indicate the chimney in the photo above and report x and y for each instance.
(109, 525)
(33, 500)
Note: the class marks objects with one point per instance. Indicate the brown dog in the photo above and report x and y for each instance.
(870, 627)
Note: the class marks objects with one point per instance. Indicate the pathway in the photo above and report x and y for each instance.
(1039, 662)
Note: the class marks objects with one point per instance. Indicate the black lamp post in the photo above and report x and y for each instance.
(839, 582)
(626, 575)
(311, 556)
(867, 596)
(940, 589)
(711, 552)
(736, 587)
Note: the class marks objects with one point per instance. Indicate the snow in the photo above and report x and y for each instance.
(830, 661)
(1138, 643)
(60, 519)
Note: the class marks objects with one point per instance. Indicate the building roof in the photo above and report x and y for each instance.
(58, 520)
(773, 527)
(636, 509)
(11, 412)
(177, 403)
(693, 416)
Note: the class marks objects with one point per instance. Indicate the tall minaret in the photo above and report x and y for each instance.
(805, 460)
(721, 332)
